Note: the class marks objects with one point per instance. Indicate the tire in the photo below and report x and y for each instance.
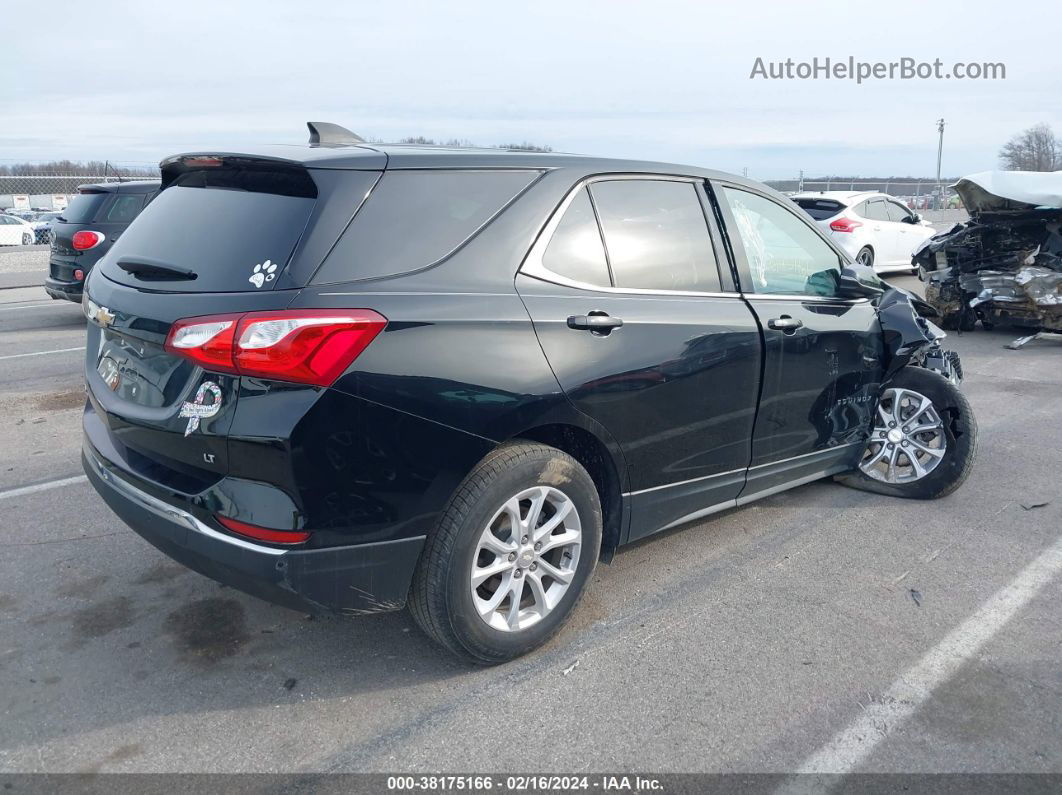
(865, 256)
(956, 435)
(442, 599)
(27, 239)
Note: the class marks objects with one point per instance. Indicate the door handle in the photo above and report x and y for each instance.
(594, 321)
(785, 324)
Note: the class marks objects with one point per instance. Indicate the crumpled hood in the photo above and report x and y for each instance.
(1010, 190)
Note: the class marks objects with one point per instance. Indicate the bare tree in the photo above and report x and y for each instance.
(89, 168)
(1035, 149)
(526, 146)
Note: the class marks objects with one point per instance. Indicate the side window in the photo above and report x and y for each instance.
(876, 210)
(784, 254)
(862, 209)
(125, 208)
(897, 212)
(575, 250)
(416, 218)
(656, 235)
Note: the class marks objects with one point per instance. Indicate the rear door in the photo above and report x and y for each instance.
(823, 354)
(887, 237)
(646, 338)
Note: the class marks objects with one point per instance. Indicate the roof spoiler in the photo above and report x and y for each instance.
(323, 133)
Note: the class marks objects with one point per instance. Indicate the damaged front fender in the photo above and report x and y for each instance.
(911, 339)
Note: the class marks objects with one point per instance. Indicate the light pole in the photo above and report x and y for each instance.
(940, 151)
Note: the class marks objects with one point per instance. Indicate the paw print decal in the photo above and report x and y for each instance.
(262, 273)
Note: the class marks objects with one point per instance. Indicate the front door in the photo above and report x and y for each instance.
(823, 354)
(645, 340)
(907, 231)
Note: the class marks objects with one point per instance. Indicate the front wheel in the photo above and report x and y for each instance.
(923, 439)
(27, 239)
(510, 556)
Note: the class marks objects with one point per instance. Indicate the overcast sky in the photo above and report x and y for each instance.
(135, 81)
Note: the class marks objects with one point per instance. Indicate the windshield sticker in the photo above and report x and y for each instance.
(199, 409)
(262, 273)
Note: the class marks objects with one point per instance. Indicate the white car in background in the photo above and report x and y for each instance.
(15, 232)
(873, 228)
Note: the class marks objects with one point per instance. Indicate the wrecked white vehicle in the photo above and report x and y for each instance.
(1004, 266)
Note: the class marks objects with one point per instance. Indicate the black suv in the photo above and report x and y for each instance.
(87, 229)
(344, 375)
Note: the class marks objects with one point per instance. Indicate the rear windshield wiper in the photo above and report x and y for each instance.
(145, 268)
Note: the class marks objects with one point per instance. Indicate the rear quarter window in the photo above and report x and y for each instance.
(413, 219)
(124, 208)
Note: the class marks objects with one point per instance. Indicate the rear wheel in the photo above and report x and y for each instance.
(923, 440)
(510, 556)
(865, 257)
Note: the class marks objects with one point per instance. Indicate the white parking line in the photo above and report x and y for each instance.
(884, 717)
(40, 353)
(32, 306)
(51, 484)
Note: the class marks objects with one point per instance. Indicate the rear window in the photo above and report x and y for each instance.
(819, 209)
(236, 228)
(83, 208)
(413, 219)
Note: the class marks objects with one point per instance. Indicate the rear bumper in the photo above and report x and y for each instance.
(353, 580)
(69, 291)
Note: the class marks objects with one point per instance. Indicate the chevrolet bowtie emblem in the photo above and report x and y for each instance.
(104, 316)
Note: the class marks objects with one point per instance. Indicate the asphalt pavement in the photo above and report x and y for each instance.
(821, 629)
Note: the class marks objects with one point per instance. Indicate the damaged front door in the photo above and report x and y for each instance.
(823, 359)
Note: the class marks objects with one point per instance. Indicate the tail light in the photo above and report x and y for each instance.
(845, 225)
(263, 533)
(306, 346)
(84, 240)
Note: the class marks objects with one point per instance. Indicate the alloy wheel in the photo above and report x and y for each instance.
(526, 558)
(908, 440)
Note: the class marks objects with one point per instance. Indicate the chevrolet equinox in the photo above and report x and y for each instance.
(346, 377)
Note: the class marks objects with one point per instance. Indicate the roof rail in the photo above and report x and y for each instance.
(323, 133)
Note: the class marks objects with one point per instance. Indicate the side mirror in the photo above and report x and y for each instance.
(859, 281)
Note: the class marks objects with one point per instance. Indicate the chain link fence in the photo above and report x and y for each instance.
(918, 194)
(26, 190)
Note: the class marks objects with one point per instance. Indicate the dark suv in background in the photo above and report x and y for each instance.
(87, 228)
(341, 376)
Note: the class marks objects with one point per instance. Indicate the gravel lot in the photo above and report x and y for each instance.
(743, 643)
